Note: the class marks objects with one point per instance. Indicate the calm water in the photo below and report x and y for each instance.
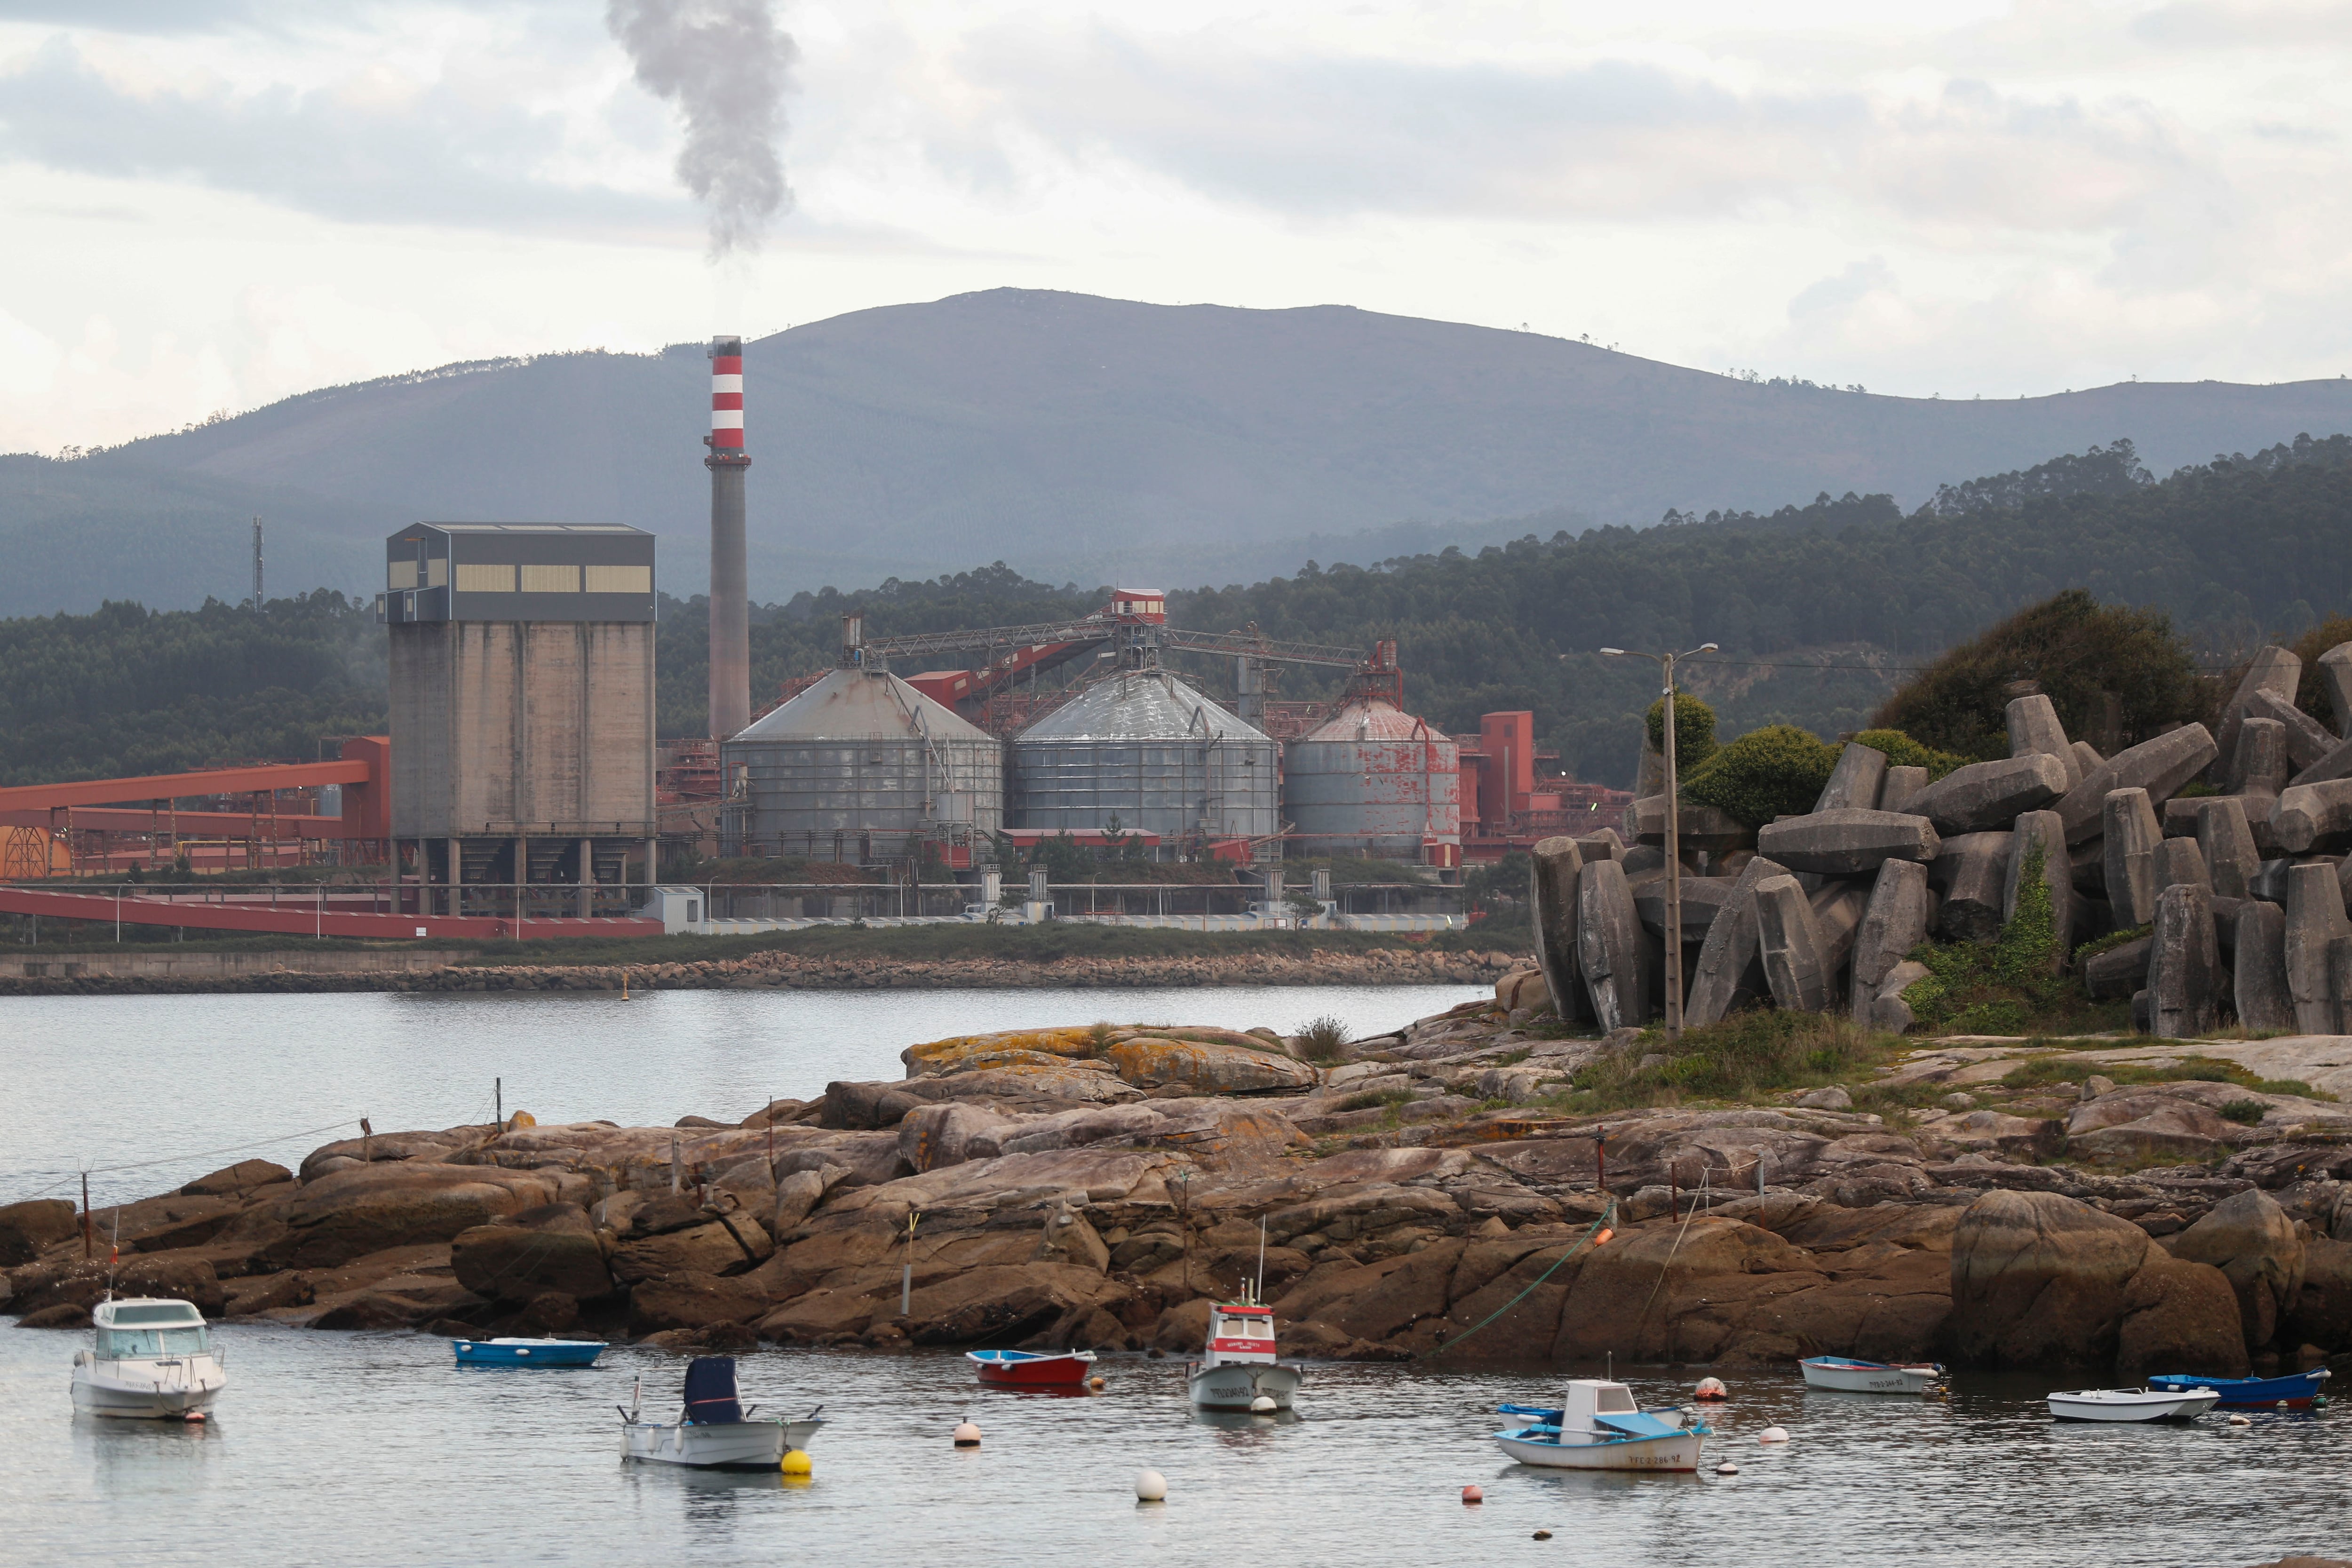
(94, 1082)
(372, 1448)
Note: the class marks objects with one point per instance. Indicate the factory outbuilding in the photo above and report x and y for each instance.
(863, 768)
(1142, 748)
(522, 711)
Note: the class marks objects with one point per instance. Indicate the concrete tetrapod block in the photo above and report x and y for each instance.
(1729, 971)
(2178, 862)
(2228, 846)
(2086, 758)
(1971, 871)
(1888, 1010)
(1843, 843)
(1695, 826)
(1838, 910)
(2132, 838)
(1902, 787)
(1609, 948)
(2184, 968)
(2335, 676)
(2159, 766)
(1854, 783)
(2307, 740)
(2335, 764)
(2264, 1000)
(2043, 829)
(2118, 972)
(1790, 944)
(1559, 867)
(1703, 900)
(2314, 927)
(1895, 922)
(2033, 727)
(2259, 766)
(2274, 669)
(1984, 796)
(1604, 845)
(2311, 817)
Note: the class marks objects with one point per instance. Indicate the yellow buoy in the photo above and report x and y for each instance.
(796, 1463)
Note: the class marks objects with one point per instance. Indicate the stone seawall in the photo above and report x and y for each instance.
(376, 970)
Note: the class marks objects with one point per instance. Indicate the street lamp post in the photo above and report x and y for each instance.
(1673, 934)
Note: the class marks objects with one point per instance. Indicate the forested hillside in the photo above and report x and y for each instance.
(1820, 610)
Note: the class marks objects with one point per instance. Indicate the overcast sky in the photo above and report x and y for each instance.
(207, 204)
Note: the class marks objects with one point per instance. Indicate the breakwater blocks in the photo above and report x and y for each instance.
(1100, 1186)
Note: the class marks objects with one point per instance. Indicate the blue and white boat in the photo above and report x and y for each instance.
(713, 1430)
(2299, 1391)
(1600, 1428)
(528, 1353)
(1849, 1375)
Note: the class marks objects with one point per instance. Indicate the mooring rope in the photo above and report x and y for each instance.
(1607, 1210)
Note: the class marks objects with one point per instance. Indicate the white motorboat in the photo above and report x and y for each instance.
(1851, 1377)
(1600, 1428)
(713, 1430)
(2134, 1404)
(1238, 1369)
(152, 1359)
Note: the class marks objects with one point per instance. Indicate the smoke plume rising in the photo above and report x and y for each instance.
(724, 64)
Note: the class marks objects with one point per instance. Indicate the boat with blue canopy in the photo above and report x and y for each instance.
(713, 1431)
(1600, 1428)
(528, 1353)
(2298, 1391)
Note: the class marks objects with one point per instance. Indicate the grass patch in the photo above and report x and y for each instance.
(2014, 984)
(1323, 1039)
(2109, 942)
(2036, 1072)
(2246, 1113)
(1750, 1056)
(1375, 1097)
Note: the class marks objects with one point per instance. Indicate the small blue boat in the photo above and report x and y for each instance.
(2297, 1392)
(528, 1353)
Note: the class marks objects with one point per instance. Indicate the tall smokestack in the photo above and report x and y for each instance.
(731, 594)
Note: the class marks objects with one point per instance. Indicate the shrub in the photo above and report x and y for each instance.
(1778, 771)
(1902, 752)
(1373, 1097)
(1694, 730)
(2078, 651)
(1322, 1039)
(2246, 1113)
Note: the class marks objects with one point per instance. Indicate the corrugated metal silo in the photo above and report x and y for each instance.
(1373, 780)
(860, 767)
(1146, 748)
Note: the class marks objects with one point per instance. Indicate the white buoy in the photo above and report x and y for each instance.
(1773, 1435)
(1710, 1388)
(2241, 1420)
(1263, 1405)
(967, 1435)
(1151, 1485)
(1726, 1469)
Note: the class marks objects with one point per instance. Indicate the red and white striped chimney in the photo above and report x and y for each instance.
(726, 394)
(730, 628)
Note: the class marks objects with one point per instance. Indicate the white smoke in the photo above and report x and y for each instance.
(724, 64)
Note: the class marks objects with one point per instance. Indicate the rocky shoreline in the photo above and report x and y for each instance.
(88, 975)
(1099, 1187)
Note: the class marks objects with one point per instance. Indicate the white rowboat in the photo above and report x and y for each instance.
(1851, 1377)
(2133, 1405)
(714, 1432)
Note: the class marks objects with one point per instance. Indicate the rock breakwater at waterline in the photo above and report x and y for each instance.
(96, 974)
(1099, 1186)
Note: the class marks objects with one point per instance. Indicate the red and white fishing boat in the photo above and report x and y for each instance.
(1032, 1369)
(1238, 1370)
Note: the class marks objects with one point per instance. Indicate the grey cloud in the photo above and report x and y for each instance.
(443, 158)
(1832, 297)
(1319, 136)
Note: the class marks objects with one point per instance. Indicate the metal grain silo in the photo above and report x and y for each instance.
(860, 767)
(1373, 780)
(1144, 747)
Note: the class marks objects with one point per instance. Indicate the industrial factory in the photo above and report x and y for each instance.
(520, 791)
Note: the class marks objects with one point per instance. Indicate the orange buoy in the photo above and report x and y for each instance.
(1472, 1494)
(1603, 1240)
